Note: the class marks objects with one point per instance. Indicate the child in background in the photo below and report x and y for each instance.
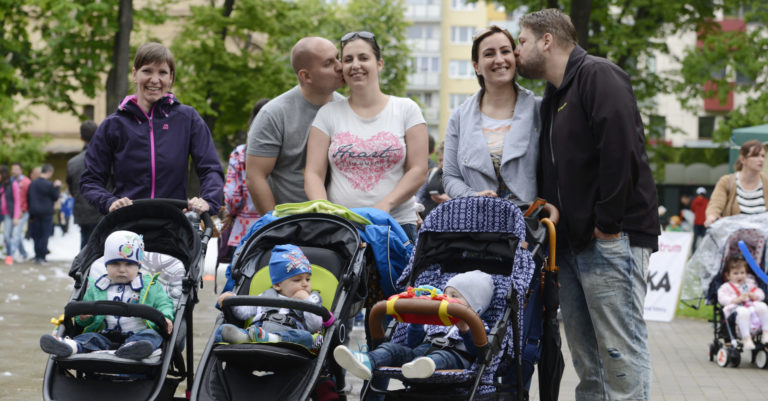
(741, 295)
(674, 224)
(290, 273)
(132, 337)
(473, 289)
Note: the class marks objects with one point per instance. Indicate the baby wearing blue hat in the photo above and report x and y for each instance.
(290, 273)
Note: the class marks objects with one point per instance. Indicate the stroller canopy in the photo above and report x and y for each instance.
(705, 265)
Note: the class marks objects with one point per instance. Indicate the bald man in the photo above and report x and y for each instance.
(277, 137)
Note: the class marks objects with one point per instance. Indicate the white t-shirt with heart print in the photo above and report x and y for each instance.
(367, 155)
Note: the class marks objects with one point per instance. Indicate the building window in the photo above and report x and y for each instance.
(462, 34)
(414, 32)
(651, 65)
(425, 64)
(88, 111)
(463, 5)
(457, 99)
(657, 125)
(742, 79)
(461, 69)
(706, 127)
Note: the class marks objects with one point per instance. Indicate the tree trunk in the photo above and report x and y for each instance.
(117, 80)
(580, 12)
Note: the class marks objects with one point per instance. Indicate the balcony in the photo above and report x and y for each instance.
(424, 81)
(423, 12)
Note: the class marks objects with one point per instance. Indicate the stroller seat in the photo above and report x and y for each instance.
(171, 273)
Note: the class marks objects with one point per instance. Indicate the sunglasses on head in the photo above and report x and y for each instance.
(359, 34)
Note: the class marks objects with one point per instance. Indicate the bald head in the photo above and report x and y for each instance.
(304, 52)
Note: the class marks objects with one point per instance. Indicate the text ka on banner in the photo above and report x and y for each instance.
(665, 275)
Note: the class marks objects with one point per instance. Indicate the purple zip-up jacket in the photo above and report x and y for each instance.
(149, 153)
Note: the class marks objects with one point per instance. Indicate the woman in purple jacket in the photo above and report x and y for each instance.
(146, 144)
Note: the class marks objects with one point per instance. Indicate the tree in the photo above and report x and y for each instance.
(74, 44)
(230, 56)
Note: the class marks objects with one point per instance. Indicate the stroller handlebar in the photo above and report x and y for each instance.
(250, 300)
(116, 308)
(428, 307)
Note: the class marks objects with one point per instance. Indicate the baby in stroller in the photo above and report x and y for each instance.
(290, 273)
(443, 347)
(741, 295)
(133, 337)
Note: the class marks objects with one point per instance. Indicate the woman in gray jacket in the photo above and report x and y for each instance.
(492, 139)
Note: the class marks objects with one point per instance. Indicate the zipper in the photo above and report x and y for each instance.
(152, 149)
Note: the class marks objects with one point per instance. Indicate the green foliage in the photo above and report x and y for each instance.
(70, 56)
(228, 60)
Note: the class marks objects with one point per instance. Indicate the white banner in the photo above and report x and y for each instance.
(665, 275)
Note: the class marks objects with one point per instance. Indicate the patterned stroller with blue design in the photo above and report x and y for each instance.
(465, 234)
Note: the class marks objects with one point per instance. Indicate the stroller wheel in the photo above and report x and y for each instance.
(722, 357)
(761, 359)
(713, 350)
(735, 357)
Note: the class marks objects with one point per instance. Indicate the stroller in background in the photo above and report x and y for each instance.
(175, 249)
(726, 347)
(284, 371)
(476, 233)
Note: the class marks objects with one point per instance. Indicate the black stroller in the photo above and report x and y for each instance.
(484, 234)
(175, 249)
(284, 371)
(726, 347)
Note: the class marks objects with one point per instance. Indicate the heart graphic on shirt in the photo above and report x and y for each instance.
(363, 162)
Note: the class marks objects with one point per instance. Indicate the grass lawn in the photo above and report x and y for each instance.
(704, 312)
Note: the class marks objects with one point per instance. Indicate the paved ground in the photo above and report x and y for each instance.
(30, 295)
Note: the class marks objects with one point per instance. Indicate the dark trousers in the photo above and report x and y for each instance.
(40, 227)
(698, 233)
(85, 233)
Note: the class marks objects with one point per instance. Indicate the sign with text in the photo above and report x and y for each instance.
(665, 275)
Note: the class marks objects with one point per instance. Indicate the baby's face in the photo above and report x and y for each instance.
(122, 272)
(290, 287)
(454, 293)
(738, 274)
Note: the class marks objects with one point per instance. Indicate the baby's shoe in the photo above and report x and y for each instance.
(58, 346)
(136, 350)
(356, 363)
(233, 334)
(748, 344)
(259, 335)
(419, 368)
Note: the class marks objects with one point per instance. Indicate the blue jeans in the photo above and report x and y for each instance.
(89, 342)
(411, 231)
(294, 336)
(601, 299)
(8, 232)
(391, 354)
(18, 235)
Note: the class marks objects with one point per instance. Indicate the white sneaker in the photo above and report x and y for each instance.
(60, 347)
(419, 368)
(356, 363)
(234, 335)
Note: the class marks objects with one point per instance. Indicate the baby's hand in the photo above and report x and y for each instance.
(753, 296)
(84, 317)
(223, 296)
(462, 326)
(170, 325)
(301, 294)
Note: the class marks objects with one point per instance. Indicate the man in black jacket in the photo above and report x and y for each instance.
(41, 196)
(594, 168)
(86, 216)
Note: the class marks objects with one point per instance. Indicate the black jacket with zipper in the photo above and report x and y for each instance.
(593, 164)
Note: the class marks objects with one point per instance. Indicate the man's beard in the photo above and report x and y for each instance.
(533, 68)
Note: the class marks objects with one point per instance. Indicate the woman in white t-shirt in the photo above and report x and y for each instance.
(375, 144)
